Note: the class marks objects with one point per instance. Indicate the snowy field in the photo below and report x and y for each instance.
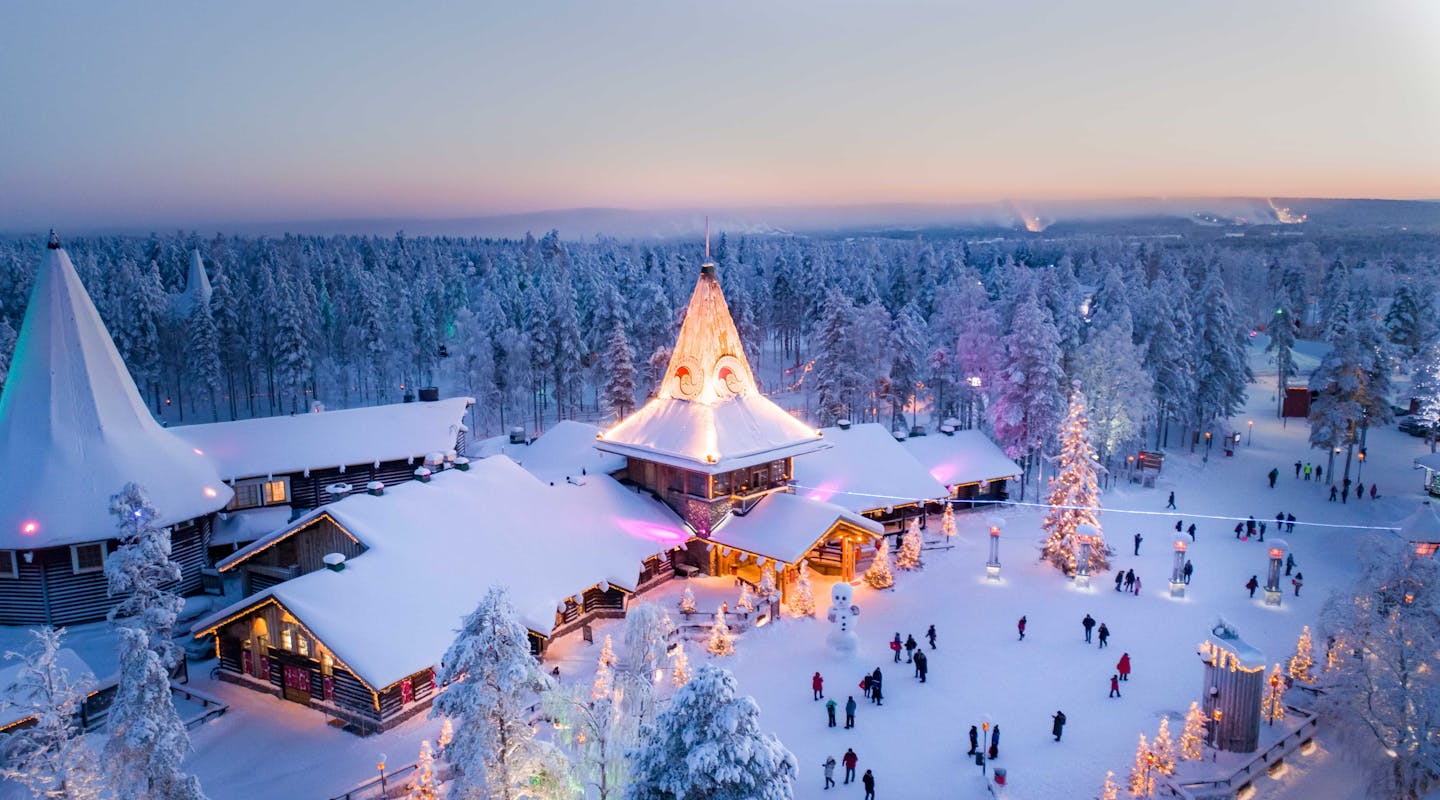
(916, 742)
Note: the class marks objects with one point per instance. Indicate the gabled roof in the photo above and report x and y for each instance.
(74, 431)
(865, 469)
(249, 448)
(964, 457)
(434, 548)
(784, 526)
(562, 451)
(1421, 526)
(197, 288)
(709, 415)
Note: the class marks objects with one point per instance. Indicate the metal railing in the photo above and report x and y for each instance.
(1251, 769)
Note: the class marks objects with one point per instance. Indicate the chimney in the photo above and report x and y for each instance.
(843, 424)
(335, 562)
(375, 488)
(517, 435)
(422, 474)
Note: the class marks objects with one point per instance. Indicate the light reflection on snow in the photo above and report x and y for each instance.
(824, 491)
(650, 530)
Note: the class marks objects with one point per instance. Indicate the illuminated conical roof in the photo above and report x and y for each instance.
(709, 415)
(73, 429)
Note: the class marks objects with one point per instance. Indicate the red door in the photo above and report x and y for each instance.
(407, 691)
(297, 684)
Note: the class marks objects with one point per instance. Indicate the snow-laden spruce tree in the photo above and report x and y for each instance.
(880, 575)
(802, 600)
(837, 378)
(1027, 395)
(1272, 706)
(604, 683)
(617, 392)
(1335, 292)
(680, 666)
(1425, 383)
(424, 786)
(1142, 772)
(746, 601)
(1119, 391)
(7, 348)
(1303, 660)
(1221, 344)
(491, 680)
(644, 640)
(1407, 322)
(1353, 382)
(49, 758)
(1382, 694)
(708, 746)
(1074, 494)
(148, 741)
(202, 355)
(1163, 749)
(1168, 355)
(908, 558)
(687, 601)
(766, 590)
(722, 642)
(1109, 790)
(1282, 343)
(907, 344)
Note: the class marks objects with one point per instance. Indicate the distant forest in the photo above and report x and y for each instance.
(902, 330)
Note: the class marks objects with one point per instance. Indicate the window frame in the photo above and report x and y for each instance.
(13, 573)
(76, 569)
(262, 491)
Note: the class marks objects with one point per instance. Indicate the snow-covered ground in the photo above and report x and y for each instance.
(915, 743)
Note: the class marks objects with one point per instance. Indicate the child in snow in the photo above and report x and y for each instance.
(829, 767)
(1114, 685)
(930, 634)
(865, 685)
(830, 712)
(1059, 724)
(1123, 667)
(1239, 529)
(1252, 585)
(1104, 634)
(850, 712)
(817, 686)
(1021, 626)
(1297, 582)
(849, 760)
(1137, 585)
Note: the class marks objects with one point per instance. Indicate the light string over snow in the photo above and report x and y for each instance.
(1106, 509)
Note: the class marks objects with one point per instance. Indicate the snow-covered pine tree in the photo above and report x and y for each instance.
(1303, 659)
(907, 342)
(1109, 790)
(969, 331)
(1074, 492)
(148, 741)
(1425, 383)
(49, 758)
(1164, 749)
(1222, 367)
(680, 666)
(1027, 392)
(947, 523)
(141, 569)
(491, 679)
(472, 358)
(1168, 356)
(617, 394)
(802, 600)
(708, 744)
(7, 348)
(880, 574)
(1119, 391)
(766, 590)
(746, 602)
(294, 367)
(424, 786)
(687, 601)
(1273, 707)
(1192, 737)
(1353, 381)
(722, 642)
(1407, 327)
(1335, 293)
(447, 735)
(837, 382)
(604, 684)
(1142, 772)
(644, 639)
(595, 733)
(202, 355)
(1282, 344)
(908, 558)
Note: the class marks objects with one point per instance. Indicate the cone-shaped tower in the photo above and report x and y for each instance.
(197, 288)
(74, 430)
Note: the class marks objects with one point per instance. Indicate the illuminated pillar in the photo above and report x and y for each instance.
(1085, 536)
(992, 567)
(1272, 578)
(1177, 571)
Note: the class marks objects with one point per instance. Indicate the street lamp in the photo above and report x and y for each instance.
(992, 566)
(1207, 444)
(1177, 571)
(384, 791)
(1274, 687)
(1361, 471)
(1250, 435)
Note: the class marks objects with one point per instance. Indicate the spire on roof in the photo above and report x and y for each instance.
(74, 430)
(197, 287)
(54, 243)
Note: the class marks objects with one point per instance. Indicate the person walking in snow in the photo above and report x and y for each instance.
(922, 665)
(865, 685)
(930, 634)
(1280, 522)
(1058, 726)
(1185, 573)
(1373, 487)
(830, 712)
(1114, 685)
(1119, 578)
(1289, 563)
(1138, 540)
(1021, 626)
(1122, 668)
(1171, 502)
(974, 740)
(1262, 530)
(1250, 526)
(1088, 624)
(850, 712)
(1359, 491)
(895, 647)
(868, 780)
(1290, 521)
(994, 742)
(1178, 524)
(1252, 585)
(1191, 530)
(875, 680)
(1332, 492)
(1345, 491)
(1297, 582)
(1239, 529)
(817, 686)
(829, 767)
(1104, 635)
(1129, 579)
(849, 760)
(1137, 585)
(910, 646)
(1307, 470)
(1297, 469)
(1319, 471)
(1274, 473)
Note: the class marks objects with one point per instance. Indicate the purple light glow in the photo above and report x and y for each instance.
(652, 531)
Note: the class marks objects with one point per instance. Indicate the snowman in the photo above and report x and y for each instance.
(843, 612)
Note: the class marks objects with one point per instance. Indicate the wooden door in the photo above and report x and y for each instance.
(847, 559)
(297, 684)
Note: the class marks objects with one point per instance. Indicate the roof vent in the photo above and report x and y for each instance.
(339, 489)
(422, 474)
(843, 424)
(429, 394)
(334, 562)
(462, 463)
(948, 430)
(375, 488)
(517, 435)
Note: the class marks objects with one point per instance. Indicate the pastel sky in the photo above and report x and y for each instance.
(183, 113)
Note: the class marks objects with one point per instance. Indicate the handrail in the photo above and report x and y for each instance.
(1283, 746)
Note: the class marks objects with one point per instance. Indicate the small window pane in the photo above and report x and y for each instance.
(287, 638)
(9, 567)
(275, 492)
(88, 557)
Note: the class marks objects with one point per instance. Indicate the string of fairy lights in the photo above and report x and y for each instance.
(895, 500)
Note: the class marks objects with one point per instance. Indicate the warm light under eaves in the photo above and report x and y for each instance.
(30, 527)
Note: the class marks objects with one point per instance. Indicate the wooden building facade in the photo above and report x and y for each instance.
(290, 554)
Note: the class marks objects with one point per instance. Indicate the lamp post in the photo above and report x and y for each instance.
(992, 567)
(1177, 571)
(1360, 471)
(1250, 435)
(1274, 687)
(1207, 445)
(384, 791)
(1272, 577)
(1085, 534)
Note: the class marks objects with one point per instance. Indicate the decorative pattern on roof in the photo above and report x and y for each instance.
(73, 429)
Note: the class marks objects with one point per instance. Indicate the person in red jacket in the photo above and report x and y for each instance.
(817, 685)
(850, 760)
(1021, 626)
(1123, 668)
(1114, 685)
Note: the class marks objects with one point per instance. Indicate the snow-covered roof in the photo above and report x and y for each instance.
(709, 415)
(197, 288)
(865, 469)
(560, 452)
(12, 696)
(1430, 461)
(240, 527)
(1423, 525)
(963, 457)
(434, 548)
(273, 445)
(74, 431)
(784, 526)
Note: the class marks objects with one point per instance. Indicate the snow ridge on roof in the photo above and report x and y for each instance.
(74, 430)
(865, 469)
(967, 456)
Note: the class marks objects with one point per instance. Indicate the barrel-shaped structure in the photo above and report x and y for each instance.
(1233, 689)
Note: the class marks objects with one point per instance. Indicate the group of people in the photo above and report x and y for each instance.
(1125, 581)
(1344, 491)
(850, 761)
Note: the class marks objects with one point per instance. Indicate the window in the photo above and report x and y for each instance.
(87, 557)
(303, 644)
(287, 637)
(9, 568)
(327, 665)
(252, 494)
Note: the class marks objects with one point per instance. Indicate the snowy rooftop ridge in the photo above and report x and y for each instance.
(865, 469)
(74, 430)
(709, 414)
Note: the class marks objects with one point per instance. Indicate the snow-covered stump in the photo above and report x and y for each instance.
(1177, 571)
(1272, 576)
(992, 566)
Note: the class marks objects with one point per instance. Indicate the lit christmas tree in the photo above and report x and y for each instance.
(746, 602)
(879, 575)
(1163, 749)
(909, 556)
(722, 642)
(1142, 774)
(1304, 658)
(680, 669)
(605, 671)
(1109, 791)
(1192, 738)
(687, 601)
(947, 523)
(447, 733)
(766, 589)
(802, 601)
(1333, 650)
(424, 786)
(1074, 492)
(1273, 707)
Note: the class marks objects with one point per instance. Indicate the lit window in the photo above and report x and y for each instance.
(304, 645)
(276, 492)
(9, 568)
(1421, 549)
(87, 557)
(255, 493)
(287, 638)
(327, 665)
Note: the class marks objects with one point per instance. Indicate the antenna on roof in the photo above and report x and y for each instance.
(54, 243)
